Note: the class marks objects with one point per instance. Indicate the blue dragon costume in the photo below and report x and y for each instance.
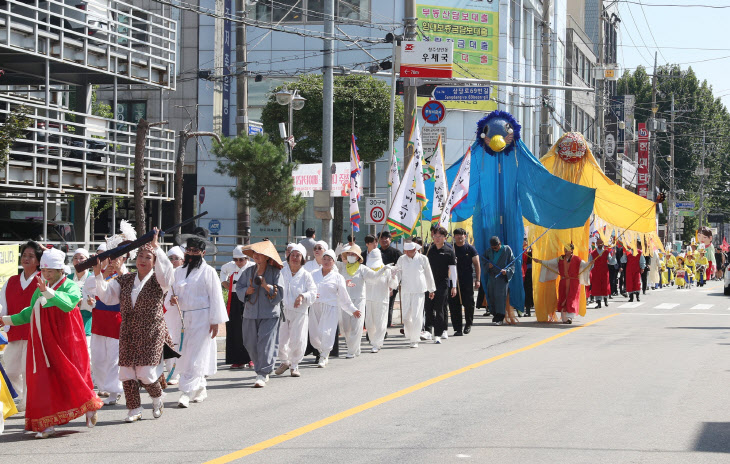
(507, 184)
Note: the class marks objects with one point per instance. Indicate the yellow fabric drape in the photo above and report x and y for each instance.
(616, 211)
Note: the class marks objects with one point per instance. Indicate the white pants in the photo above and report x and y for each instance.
(323, 327)
(105, 363)
(351, 328)
(14, 358)
(174, 325)
(199, 352)
(293, 337)
(376, 321)
(412, 312)
(146, 374)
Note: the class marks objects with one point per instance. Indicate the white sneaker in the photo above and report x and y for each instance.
(200, 395)
(133, 415)
(426, 335)
(91, 419)
(112, 399)
(266, 378)
(349, 356)
(295, 372)
(437, 340)
(444, 335)
(184, 401)
(374, 349)
(322, 362)
(157, 406)
(20, 406)
(414, 345)
(174, 381)
(46, 433)
(283, 367)
(260, 382)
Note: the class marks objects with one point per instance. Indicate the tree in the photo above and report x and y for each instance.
(697, 111)
(366, 97)
(12, 128)
(264, 176)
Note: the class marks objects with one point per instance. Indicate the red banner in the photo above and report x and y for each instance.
(643, 171)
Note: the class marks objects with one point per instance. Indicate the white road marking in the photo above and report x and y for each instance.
(666, 306)
(702, 306)
(631, 305)
(676, 314)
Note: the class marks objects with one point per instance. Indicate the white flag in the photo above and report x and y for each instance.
(440, 187)
(393, 177)
(459, 190)
(418, 158)
(406, 207)
(355, 186)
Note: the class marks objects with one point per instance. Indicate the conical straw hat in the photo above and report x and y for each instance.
(265, 248)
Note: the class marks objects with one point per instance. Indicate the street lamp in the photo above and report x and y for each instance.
(296, 102)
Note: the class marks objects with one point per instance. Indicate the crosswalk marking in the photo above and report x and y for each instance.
(666, 306)
(702, 306)
(631, 305)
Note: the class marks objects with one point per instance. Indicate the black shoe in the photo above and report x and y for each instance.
(458, 333)
(631, 298)
(637, 297)
(569, 321)
(599, 305)
(386, 335)
(316, 361)
(610, 296)
(605, 301)
(467, 329)
(528, 313)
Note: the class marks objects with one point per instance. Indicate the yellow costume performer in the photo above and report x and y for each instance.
(681, 273)
(616, 211)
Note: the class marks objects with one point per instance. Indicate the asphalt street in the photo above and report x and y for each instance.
(635, 382)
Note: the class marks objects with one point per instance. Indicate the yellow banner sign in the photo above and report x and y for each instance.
(8, 262)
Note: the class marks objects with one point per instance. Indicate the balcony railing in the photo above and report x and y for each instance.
(110, 38)
(69, 152)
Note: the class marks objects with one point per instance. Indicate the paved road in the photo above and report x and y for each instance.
(644, 382)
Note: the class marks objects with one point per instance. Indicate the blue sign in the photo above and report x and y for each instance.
(465, 93)
(227, 37)
(433, 112)
(254, 130)
(214, 226)
(684, 204)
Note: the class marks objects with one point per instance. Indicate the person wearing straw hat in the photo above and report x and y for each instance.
(173, 316)
(81, 255)
(197, 291)
(236, 354)
(332, 297)
(356, 276)
(15, 296)
(377, 296)
(300, 292)
(59, 375)
(260, 289)
(143, 334)
(416, 279)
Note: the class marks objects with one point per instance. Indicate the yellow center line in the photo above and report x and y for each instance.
(385, 399)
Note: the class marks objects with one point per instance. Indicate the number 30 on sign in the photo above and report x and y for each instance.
(375, 211)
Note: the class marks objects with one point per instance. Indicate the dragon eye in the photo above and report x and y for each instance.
(484, 134)
(508, 128)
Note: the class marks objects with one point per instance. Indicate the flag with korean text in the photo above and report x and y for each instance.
(393, 177)
(441, 187)
(406, 208)
(459, 190)
(355, 181)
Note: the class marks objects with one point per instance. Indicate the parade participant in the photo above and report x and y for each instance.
(670, 263)
(299, 293)
(702, 264)
(331, 298)
(197, 291)
(143, 332)
(236, 354)
(315, 264)
(390, 255)
(573, 275)
(377, 294)
(600, 285)
(526, 277)
(704, 237)
(613, 271)
(288, 250)
(86, 305)
(499, 270)
(681, 271)
(645, 272)
(469, 277)
(260, 289)
(657, 268)
(173, 317)
(621, 258)
(634, 264)
(664, 274)
(308, 243)
(416, 280)
(15, 296)
(106, 321)
(443, 267)
(691, 266)
(58, 372)
(357, 277)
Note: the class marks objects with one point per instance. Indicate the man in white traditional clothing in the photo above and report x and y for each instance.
(197, 290)
(415, 276)
(377, 295)
(173, 317)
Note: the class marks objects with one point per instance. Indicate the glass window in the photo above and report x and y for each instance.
(353, 9)
(287, 11)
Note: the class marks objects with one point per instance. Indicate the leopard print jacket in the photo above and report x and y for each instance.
(143, 332)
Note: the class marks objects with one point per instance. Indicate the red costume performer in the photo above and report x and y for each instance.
(634, 268)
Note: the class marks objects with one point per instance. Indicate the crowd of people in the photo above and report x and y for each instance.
(80, 340)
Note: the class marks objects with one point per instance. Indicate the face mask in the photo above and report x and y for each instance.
(352, 259)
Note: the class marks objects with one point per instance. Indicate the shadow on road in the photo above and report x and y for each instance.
(714, 438)
(701, 328)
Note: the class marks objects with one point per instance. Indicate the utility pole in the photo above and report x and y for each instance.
(410, 91)
(243, 211)
(600, 108)
(182, 139)
(702, 181)
(544, 116)
(672, 199)
(327, 108)
(654, 109)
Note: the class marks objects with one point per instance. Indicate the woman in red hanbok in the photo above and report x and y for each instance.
(57, 367)
(574, 275)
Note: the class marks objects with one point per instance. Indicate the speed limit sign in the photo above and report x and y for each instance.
(375, 211)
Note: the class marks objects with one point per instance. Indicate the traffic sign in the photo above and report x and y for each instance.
(684, 204)
(201, 195)
(375, 209)
(214, 226)
(426, 59)
(687, 213)
(433, 112)
(462, 93)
